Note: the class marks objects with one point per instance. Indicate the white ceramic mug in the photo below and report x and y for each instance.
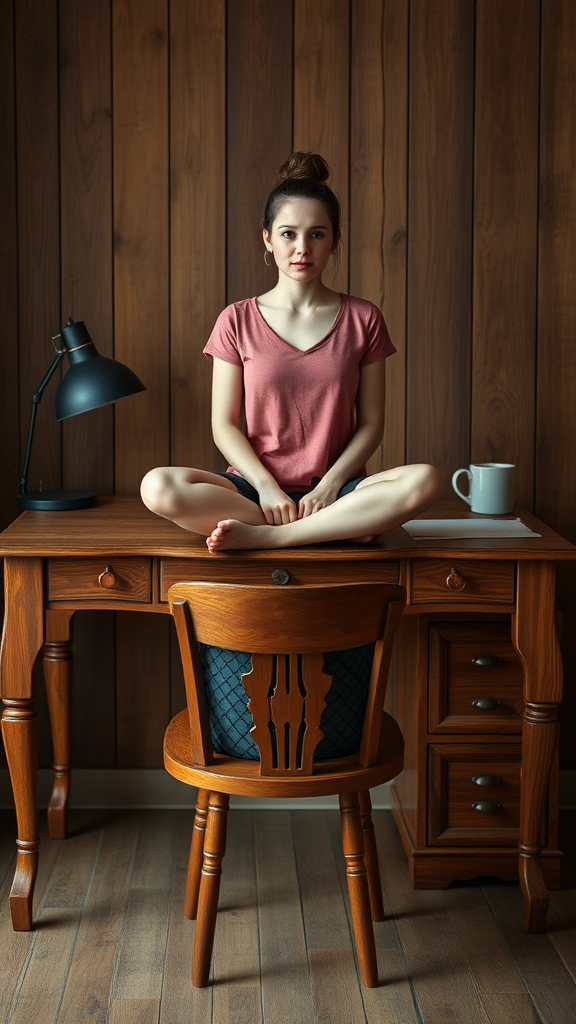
(491, 487)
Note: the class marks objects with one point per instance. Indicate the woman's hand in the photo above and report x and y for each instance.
(323, 494)
(277, 507)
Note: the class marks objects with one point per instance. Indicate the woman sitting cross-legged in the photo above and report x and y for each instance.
(309, 366)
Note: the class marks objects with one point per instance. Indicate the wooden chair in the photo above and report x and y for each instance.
(287, 629)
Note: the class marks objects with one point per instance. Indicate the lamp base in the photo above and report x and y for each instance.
(56, 501)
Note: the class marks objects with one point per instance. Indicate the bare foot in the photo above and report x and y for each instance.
(231, 533)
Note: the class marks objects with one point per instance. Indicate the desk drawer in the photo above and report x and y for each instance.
(439, 581)
(242, 570)
(475, 679)
(89, 579)
(474, 797)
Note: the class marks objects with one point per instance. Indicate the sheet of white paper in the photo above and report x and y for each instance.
(462, 529)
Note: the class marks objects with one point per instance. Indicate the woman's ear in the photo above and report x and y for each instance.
(266, 237)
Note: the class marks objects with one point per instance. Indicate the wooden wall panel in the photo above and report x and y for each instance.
(556, 419)
(9, 407)
(395, 163)
(197, 218)
(141, 248)
(321, 100)
(439, 233)
(505, 237)
(141, 303)
(259, 90)
(36, 55)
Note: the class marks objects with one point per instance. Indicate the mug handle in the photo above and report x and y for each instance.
(465, 497)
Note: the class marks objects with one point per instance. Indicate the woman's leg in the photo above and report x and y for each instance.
(380, 503)
(196, 500)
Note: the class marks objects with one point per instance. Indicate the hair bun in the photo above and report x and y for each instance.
(303, 165)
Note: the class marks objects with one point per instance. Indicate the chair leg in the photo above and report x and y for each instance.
(371, 857)
(353, 846)
(195, 859)
(214, 849)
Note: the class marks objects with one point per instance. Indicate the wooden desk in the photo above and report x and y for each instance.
(54, 564)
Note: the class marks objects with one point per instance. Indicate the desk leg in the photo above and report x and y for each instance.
(21, 641)
(58, 678)
(534, 636)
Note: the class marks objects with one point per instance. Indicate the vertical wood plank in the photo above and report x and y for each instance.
(439, 233)
(197, 218)
(141, 263)
(556, 418)
(141, 296)
(321, 99)
(38, 225)
(86, 220)
(9, 405)
(505, 237)
(259, 114)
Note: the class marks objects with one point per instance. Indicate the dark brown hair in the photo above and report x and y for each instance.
(303, 176)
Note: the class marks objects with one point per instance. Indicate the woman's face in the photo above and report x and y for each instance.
(301, 239)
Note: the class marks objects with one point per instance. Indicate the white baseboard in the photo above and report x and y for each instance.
(154, 788)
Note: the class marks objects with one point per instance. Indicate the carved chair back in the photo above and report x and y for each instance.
(287, 631)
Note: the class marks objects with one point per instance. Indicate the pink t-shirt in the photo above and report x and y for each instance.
(300, 406)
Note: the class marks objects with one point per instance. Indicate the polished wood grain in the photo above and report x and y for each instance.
(439, 233)
(453, 819)
(58, 680)
(490, 582)
(259, 133)
(90, 579)
(505, 224)
(321, 99)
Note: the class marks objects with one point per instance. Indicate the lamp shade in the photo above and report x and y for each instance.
(92, 380)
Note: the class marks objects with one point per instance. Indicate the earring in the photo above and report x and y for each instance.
(266, 251)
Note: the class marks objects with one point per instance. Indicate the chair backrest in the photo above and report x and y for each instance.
(287, 630)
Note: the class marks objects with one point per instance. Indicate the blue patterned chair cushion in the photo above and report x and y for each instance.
(231, 721)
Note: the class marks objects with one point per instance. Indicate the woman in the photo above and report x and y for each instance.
(309, 365)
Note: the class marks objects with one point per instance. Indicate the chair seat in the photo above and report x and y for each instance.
(235, 775)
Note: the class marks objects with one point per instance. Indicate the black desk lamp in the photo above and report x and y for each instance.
(92, 380)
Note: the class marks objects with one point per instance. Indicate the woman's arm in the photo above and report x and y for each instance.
(370, 406)
(227, 392)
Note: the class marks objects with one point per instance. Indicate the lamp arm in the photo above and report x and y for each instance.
(36, 398)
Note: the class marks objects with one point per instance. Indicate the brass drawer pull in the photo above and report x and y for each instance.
(486, 780)
(280, 576)
(107, 578)
(487, 806)
(454, 580)
(487, 661)
(486, 703)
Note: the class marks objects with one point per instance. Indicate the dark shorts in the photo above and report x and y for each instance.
(247, 491)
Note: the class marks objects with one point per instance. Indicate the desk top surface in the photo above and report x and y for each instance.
(123, 526)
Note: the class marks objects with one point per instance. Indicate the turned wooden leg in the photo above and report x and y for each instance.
(353, 846)
(20, 741)
(21, 640)
(371, 857)
(534, 636)
(214, 850)
(196, 854)
(58, 679)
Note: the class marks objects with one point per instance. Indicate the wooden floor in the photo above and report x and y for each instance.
(112, 945)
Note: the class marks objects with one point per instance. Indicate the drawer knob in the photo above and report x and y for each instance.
(486, 780)
(107, 579)
(280, 576)
(454, 580)
(486, 703)
(486, 806)
(487, 661)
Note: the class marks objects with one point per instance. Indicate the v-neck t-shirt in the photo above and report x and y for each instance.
(300, 406)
